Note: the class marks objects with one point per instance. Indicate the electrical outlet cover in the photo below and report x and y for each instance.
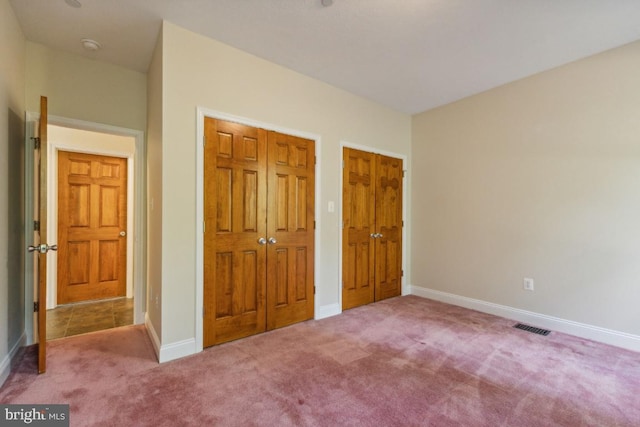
(528, 284)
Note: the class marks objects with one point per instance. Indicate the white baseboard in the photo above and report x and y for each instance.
(5, 365)
(325, 311)
(595, 333)
(172, 351)
(155, 340)
(167, 352)
(177, 350)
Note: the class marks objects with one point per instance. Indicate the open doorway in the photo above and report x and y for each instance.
(105, 311)
(90, 202)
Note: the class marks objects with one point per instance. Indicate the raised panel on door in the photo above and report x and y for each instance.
(358, 248)
(92, 206)
(389, 227)
(235, 188)
(290, 219)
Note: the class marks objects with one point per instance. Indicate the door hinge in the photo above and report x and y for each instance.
(204, 141)
(403, 173)
(36, 142)
(401, 273)
(36, 225)
(204, 227)
(314, 224)
(314, 289)
(36, 306)
(204, 311)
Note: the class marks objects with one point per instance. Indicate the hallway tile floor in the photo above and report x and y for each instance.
(80, 318)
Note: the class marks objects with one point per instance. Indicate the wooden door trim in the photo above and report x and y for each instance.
(201, 113)
(137, 203)
(406, 194)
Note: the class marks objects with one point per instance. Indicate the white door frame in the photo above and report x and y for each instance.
(136, 227)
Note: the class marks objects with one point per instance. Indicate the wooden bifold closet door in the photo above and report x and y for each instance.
(259, 230)
(372, 228)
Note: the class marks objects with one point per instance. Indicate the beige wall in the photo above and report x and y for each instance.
(12, 242)
(85, 89)
(154, 191)
(539, 178)
(202, 72)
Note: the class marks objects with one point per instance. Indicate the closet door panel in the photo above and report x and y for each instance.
(358, 248)
(389, 227)
(235, 188)
(290, 223)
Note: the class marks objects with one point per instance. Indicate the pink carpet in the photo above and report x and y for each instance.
(407, 361)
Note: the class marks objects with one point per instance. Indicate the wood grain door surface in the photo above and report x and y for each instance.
(92, 220)
(388, 241)
(235, 204)
(258, 242)
(372, 228)
(40, 234)
(359, 222)
(290, 221)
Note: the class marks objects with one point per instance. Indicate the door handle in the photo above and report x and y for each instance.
(272, 241)
(262, 241)
(43, 248)
(376, 235)
(123, 233)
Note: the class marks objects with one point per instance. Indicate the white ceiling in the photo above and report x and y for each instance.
(410, 55)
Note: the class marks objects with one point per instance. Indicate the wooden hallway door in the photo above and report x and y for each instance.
(92, 221)
(372, 227)
(40, 246)
(258, 231)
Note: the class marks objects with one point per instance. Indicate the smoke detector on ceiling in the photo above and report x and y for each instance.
(327, 3)
(73, 3)
(90, 44)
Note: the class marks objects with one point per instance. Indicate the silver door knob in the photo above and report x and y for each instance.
(272, 241)
(123, 233)
(262, 241)
(43, 248)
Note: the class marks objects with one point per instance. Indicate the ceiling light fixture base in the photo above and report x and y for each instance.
(90, 44)
(73, 3)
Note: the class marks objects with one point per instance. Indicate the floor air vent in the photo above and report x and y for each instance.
(532, 329)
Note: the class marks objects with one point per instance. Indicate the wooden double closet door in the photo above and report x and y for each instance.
(258, 231)
(372, 228)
